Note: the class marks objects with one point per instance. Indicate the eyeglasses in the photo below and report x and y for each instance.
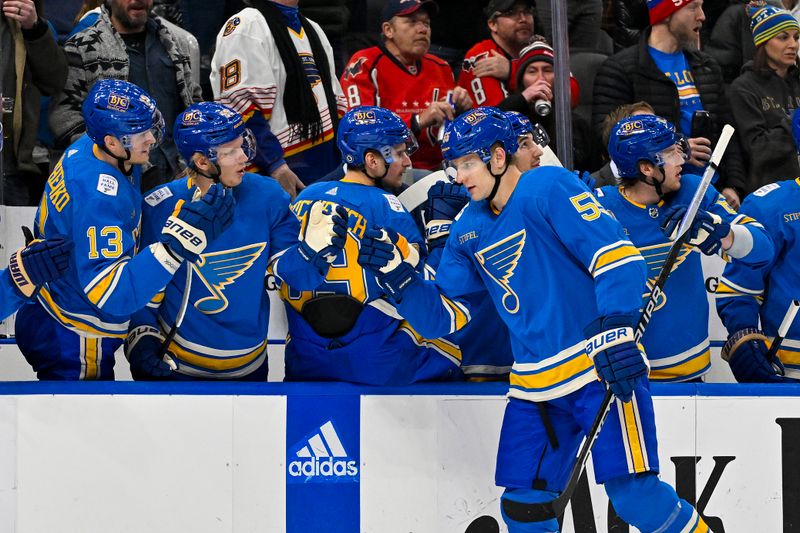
(516, 12)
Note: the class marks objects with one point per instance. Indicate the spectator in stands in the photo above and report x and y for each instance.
(128, 43)
(400, 75)
(533, 82)
(275, 67)
(43, 70)
(487, 65)
(763, 98)
(608, 174)
(666, 69)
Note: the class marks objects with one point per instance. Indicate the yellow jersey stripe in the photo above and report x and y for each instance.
(53, 308)
(633, 435)
(612, 256)
(99, 290)
(214, 363)
(552, 376)
(90, 350)
(448, 349)
(457, 311)
(687, 368)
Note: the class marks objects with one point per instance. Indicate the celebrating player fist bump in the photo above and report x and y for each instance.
(23, 11)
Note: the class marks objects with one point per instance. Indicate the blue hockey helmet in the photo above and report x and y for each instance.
(366, 128)
(476, 131)
(796, 128)
(120, 109)
(642, 138)
(204, 126)
(521, 124)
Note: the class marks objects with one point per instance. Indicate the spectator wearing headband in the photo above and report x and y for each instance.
(764, 96)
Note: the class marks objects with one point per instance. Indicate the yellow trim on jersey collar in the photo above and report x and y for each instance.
(95, 151)
(637, 204)
(797, 180)
(300, 35)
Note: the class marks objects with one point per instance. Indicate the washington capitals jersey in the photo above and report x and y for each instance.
(247, 74)
(366, 206)
(224, 331)
(745, 293)
(485, 90)
(375, 77)
(99, 208)
(676, 339)
(553, 260)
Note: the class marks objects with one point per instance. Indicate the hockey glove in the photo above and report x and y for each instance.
(39, 262)
(142, 349)
(586, 178)
(323, 236)
(746, 353)
(445, 202)
(617, 358)
(391, 258)
(193, 225)
(706, 232)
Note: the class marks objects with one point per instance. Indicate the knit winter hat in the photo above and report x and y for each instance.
(766, 22)
(661, 9)
(538, 51)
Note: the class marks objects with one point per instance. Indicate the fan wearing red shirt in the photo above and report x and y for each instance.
(487, 65)
(402, 76)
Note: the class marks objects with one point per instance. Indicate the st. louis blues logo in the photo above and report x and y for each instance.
(219, 269)
(499, 261)
(310, 69)
(354, 68)
(655, 256)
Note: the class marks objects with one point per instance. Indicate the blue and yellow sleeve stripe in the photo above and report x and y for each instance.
(102, 286)
(613, 256)
(459, 314)
(728, 289)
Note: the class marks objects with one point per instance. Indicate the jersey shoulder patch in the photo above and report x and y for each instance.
(107, 184)
(394, 203)
(766, 189)
(158, 196)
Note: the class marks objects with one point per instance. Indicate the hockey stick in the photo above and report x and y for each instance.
(783, 329)
(555, 508)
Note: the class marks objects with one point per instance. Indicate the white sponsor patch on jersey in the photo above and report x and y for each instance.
(157, 196)
(333, 191)
(763, 191)
(107, 185)
(394, 203)
(71, 153)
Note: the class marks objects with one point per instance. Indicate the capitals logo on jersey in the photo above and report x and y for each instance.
(310, 67)
(219, 269)
(499, 261)
(470, 62)
(354, 68)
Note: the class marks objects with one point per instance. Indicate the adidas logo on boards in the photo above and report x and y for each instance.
(323, 458)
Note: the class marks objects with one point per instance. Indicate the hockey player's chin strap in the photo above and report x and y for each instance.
(656, 184)
(120, 160)
(214, 178)
(377, 179)
(497, 178)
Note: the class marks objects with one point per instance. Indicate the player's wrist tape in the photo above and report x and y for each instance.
(140, 332)
(192, 239)
(166, 257)
(608, 338)
(19, 276)
(436, 229)
(740, 337)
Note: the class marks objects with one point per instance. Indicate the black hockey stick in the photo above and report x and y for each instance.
(544, 511)
(783, 329)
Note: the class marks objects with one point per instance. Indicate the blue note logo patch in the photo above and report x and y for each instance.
(499, 261)
(310, 68)
(217, 270)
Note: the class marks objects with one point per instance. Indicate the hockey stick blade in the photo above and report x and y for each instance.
(556, 508)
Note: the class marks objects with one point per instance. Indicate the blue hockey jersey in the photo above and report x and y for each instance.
(224, 331)
(553, 260)
(99, 208)
(10, 298)
(744, 293)
(676, 340)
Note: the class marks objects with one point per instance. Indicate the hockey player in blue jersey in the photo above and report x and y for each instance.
(568, 283)
(653, 194)
(92, 197)
(346, 330)
(30, 268)
(747, 293)
(224, 332)
(528, 152)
